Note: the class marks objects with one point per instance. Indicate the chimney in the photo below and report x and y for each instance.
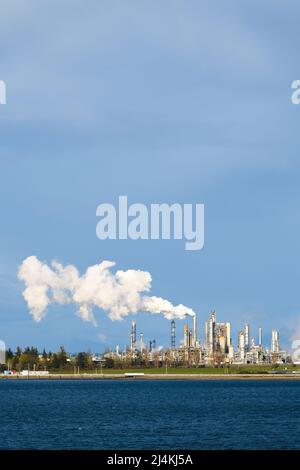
(260, 336)
(194, 331)
(141, 343)
(186, 335)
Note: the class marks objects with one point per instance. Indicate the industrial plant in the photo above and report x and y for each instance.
(217, 349)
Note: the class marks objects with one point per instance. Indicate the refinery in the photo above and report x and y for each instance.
(217, 349)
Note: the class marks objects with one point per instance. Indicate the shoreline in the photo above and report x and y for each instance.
(155, 377)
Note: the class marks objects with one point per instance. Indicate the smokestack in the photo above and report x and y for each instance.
(246, 334)
(190, 339)
(141, 343)
(186, 335)
(131, 343)
(241, 344)
(134, 330)
(260, 336)
(133, 336)
(275, 341)
(173, 337)
(194, 331)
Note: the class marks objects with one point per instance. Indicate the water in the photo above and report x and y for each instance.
(166, 414)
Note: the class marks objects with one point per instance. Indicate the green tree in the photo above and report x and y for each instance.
(62, 357)
(82, 360)
(32, 352)
(54, 361)
(18, 352)
(9, 358)
(27, 360)
(109, 363)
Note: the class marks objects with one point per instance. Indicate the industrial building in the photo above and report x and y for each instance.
(216, 350)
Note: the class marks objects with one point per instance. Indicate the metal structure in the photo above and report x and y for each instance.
(217, 350)
(260, 336)
(173, 334)
(195, 331)
(247, 337)
(141, 343)
(275, 348)
(133, 336)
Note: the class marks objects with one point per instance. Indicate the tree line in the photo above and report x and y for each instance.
(31, 359)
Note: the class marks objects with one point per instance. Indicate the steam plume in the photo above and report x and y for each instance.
(119, 294)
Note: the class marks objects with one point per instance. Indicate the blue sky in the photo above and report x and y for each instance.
(174, 101)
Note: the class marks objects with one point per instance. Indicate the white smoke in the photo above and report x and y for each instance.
(119, 294)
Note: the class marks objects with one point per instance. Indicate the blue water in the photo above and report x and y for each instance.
(121, 414)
